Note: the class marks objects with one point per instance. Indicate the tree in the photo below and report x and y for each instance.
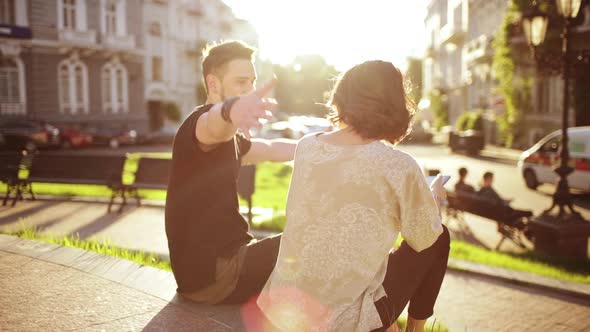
(414, 76)
(440, 107)
(304, 85)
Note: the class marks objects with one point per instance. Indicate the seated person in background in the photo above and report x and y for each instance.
(461, 186)
(487, 192)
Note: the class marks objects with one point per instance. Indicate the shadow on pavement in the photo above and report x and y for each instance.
(100, 223)
(8, 217)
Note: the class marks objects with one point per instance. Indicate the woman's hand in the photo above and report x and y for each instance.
(438, 191)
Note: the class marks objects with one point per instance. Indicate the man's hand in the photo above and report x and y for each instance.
(249, 109)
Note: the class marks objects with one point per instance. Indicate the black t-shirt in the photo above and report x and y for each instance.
(203, 220)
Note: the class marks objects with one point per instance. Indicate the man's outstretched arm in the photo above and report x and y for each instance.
(212, 128)
(276, 150)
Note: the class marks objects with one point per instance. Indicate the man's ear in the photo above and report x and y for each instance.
(212, 84)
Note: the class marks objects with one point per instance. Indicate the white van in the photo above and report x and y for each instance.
(537, 163)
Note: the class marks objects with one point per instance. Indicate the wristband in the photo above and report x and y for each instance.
(226, 108)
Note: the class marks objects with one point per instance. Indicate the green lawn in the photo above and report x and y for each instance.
(272, 182)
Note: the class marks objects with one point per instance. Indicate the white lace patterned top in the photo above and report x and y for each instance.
(345, 209)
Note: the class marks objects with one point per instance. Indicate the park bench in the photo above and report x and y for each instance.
(151, 173)
(77, 169)
(154, 173)
(10, 165)
(510, 227)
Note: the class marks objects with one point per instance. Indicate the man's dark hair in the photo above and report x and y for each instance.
(488, 175)
(371, 98)
(217, 56)
(462, 172)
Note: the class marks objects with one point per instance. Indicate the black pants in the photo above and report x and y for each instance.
(413, 277)
(261, 257)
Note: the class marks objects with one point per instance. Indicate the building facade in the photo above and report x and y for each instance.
(105, 62)
(80, 63)
(459, 55)
(458, 62)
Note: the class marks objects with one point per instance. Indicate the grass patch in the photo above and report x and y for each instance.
(102, 247)
(275, 224)
(432, 325)
(272, 186)
(530, 262)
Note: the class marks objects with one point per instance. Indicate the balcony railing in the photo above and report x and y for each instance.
(479, 49)
(118, 42)
(452, 35)
(77, 37)
(12, 108)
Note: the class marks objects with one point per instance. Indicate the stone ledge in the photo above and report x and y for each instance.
(148, 280)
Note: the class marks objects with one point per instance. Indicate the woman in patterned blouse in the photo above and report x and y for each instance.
(352, 193)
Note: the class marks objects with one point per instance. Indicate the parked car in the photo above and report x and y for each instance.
(282, 129)
(112, 136)
(537, 163)
(28, 134)
(162, 136)
(73, 136)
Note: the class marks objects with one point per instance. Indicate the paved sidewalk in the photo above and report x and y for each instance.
(50, 288)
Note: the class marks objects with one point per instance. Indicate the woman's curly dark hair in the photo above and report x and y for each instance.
(371, 99)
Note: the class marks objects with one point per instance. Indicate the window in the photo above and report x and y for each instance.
(552, 145)
(9, 82)
(155, 29)
(115, 88)
(73, 86)
(69, 14)
(7, 12)
(111, 17)
(157, 68)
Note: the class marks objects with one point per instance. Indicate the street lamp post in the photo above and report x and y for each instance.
(535, 28)
(565, 234)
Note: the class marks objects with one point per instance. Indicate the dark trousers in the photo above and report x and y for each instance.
(414, 277)
(260, 260)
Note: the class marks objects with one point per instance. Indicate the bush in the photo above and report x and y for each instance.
(462, 121)
(470, 121)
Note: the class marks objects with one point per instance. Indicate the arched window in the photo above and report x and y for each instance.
(73, 86)
(115, 96)
(11, 86)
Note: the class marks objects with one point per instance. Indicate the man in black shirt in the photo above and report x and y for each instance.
(213, 256)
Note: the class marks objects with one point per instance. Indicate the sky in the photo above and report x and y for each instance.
(345, 32)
